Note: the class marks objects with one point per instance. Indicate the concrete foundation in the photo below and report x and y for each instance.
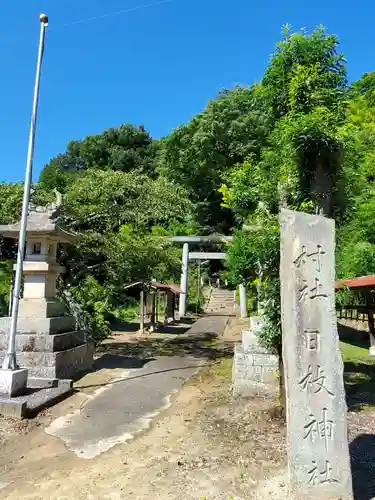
(39, 394)
(13, 382)
(255, 370)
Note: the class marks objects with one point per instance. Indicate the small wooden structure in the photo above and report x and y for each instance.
(152, 293)
(364, 308)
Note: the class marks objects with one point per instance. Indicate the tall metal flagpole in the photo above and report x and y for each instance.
(10, 362)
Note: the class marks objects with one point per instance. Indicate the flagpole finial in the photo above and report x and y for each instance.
(44, 18)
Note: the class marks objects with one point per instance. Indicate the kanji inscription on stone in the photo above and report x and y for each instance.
(312, 339)
(320, 428)
(318, 452)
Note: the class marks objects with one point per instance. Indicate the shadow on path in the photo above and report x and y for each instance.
(200, 346)
(362, 455)
(126, 379)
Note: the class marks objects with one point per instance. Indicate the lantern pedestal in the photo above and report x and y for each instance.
(13, 382)
(47, 342)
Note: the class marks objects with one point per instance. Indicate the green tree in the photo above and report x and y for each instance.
(121, 219)
(103, 201)
(365, 88)
(198, 154)
(302, 167)
(10, 202)
(124, 149)
(306, 71)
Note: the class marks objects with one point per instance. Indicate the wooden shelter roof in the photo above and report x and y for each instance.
(357, 283)
(175, 289)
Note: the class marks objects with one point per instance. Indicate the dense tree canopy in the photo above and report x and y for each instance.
(124, 149)
(301, 138)
(318, 159)
(198, 155)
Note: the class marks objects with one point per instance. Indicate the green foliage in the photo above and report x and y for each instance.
(54, 176)
(302, 166)
(253, 259)
(198, 154)
(305, 71)
(365, 88)
(10, 202)
(104, 201)
(88, 302)
(253, 254)
(128, 310)
(196, 299)
(131, 256)
(124, 149)
(300, 139)
(5, 284)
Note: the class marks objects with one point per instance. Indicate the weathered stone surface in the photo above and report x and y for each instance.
(318, 455)
(11, 407)
(13, 382)
(250, 342)
(39, 395)
(40, 308)
(255, 370)
(40, 325)
(44, 343)
(64, 364)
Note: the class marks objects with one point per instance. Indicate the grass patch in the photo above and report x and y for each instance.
(223, 367)
(359, 377)
(355, 354)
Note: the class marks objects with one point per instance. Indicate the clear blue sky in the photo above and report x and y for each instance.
(157, 66)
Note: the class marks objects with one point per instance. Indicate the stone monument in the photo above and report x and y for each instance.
(255, 369)
(317, 439)
(47, 343)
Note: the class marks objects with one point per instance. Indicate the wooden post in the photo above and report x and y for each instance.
(156, 307)
(153, 310)
(142, 311)
(371, 324)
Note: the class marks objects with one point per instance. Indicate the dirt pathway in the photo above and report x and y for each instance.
(207, 445)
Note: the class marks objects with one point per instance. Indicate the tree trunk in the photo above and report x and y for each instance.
(321, 191)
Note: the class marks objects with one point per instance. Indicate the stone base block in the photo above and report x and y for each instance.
(13, 382)
(254, 372)
(256, 323)
(60, 365)
(37, 398)
(71, 362)
(250, 342)
(44, 343)
(35, 325)
(40, 308)
(372, 350)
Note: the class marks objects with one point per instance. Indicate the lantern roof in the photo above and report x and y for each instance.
(41, 221)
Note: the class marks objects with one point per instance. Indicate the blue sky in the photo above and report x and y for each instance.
(157, 65)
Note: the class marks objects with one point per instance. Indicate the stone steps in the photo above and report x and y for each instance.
(221, 301)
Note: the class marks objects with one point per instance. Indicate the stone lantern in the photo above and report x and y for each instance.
(47, 343)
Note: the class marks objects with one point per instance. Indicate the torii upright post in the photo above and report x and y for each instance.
(184, 280)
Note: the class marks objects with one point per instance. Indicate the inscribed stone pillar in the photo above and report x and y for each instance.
(317, 440)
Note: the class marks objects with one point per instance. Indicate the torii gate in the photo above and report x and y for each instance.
(186, 256)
